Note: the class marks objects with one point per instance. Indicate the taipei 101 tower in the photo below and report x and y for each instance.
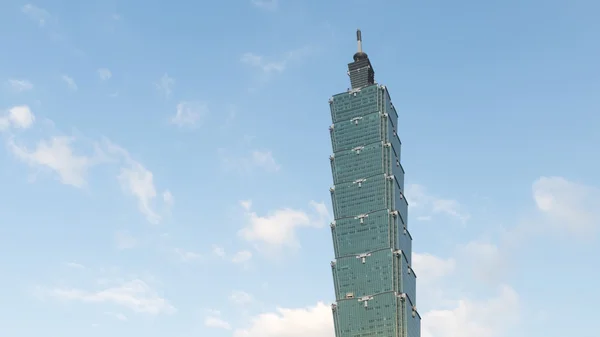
(374, 282)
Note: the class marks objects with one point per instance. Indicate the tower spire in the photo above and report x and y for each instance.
(360, 55)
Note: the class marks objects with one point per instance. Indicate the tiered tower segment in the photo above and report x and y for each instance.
(374, 282)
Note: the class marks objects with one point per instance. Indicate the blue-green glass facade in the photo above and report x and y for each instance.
(374, 282)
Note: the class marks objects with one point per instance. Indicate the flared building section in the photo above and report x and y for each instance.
(375, 286)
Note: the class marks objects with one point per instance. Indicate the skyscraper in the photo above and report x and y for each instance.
(374, 282)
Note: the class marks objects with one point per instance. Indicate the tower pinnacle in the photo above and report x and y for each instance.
(360, 55)
(359, 39)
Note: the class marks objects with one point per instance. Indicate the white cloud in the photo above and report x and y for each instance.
(241, 256)
(165, 85)
(566, 205)
(321, 210)
(135, 295)
(314, 321)
(430, 267)
(273, 66)
(467, 318)
(124, 240)
(265, 160)
(216, 322)
(70, 82)
(266, 4)
(187, 256)
(56, 154)
(419, 199)
(117, 315)
(258, 61)
(256, 159)
(189, 114)
(450, 207)
(137, 181)
(19, 117)
(484, 260)
(75, 265)
(104, 74)
(487, 318)
(218, 251)
(20, 85)
(240, 297)
(278, 229)
(39, 15)
(168, 198)
(246, 204)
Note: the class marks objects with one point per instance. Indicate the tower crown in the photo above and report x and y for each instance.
(361, 72)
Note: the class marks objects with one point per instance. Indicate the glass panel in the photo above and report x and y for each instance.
(408, 281)
(393, 139)
(357, 131)
(389, 109)
(398, 172)
(350, 165)
(357, 278)
(348, 105)
(413, 324)
(405, 243)
(379, 318)
(353, 238)
(402, 208)
(350, 200)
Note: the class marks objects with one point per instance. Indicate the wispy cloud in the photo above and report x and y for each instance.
(124, 240)
(117, 315)
(255, 159)
(241, 256)
(189, 114)
(165, 85)
(562, 207)
(568, 206)
(266, 4)
(19, 85)
(240, 297)
(216, 322)
(104, 74)
(136, 295)
(186, 255)
(37, 14)
(427, 204)
(56, 154)
(168, 199)
(273, 66)
(136, 180)
(52, 30)
(259, 62)
(75, 265)
(70, 82)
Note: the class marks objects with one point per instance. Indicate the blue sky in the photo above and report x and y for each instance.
(165, 169)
